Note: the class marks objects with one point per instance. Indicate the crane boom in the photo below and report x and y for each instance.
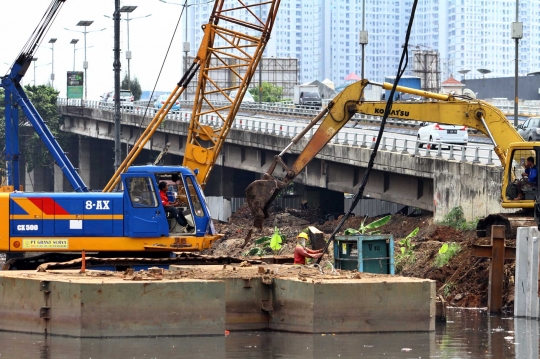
(238, 53)
(16, 98)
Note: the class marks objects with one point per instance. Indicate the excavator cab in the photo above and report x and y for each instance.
(520, 182)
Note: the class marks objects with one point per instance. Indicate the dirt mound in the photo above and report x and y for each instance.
(463, 281)
(399, 225)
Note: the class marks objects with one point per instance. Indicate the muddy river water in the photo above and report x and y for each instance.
(467, 334)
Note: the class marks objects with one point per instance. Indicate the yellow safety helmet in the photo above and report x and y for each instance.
(302, 235)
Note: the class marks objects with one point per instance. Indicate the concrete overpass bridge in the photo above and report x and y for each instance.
(434, 180)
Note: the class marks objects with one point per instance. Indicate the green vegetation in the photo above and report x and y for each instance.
(265, 245)
(455, 219)
(276, 240)
(31, 147)
(135, 87)
(364, 228)
(269, 93)
(448, 288)
(446, 252)
(406, 251)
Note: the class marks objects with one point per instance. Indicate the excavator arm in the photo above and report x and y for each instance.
(223, 50)
(441, 108)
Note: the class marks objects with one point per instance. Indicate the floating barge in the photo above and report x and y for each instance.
(189, 300)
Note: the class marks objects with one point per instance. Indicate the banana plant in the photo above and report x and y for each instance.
(265, 245)
(365, 228)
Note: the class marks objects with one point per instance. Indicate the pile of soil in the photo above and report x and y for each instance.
(462, 282)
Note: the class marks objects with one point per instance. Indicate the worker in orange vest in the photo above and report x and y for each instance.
(301, 252)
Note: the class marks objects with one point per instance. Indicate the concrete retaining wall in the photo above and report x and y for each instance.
(89, 308)
(79, 306)
(342, 307)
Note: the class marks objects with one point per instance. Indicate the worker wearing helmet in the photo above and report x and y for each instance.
(301, 252)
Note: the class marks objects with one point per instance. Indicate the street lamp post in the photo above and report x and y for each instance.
(74, 42)
(464, 73)
(186, 45)
(517, 33)
(484, 72)
(129, 9)
(85, 63)
(85, 24)
(363, 36)
(34, 59)
(52, 41)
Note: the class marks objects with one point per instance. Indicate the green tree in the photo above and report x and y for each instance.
(30, 145)
(135, 87)
(270, 92)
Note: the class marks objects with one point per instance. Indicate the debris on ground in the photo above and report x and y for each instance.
(463, 281)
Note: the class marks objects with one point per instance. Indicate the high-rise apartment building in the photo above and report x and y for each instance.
(479, 36)
(468, 34)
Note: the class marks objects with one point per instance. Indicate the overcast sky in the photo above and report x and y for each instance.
(149, 39)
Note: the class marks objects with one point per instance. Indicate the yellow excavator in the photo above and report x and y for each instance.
(510, 147)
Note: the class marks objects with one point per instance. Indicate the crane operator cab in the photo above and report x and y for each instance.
(147, 213)
(176, 193)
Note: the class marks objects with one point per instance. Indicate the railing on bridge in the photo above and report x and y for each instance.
(348, 136)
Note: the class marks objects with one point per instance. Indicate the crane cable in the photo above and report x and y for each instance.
(32, 44)
(160, 71)
(401, 69)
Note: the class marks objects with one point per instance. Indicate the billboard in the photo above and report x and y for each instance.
(75, 83)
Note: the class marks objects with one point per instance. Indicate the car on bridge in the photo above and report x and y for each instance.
(434, 134)
(161, 101)
(247, 97)
(126, 99)
(530, 129)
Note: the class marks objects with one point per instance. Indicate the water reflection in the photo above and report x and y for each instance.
(467, 334)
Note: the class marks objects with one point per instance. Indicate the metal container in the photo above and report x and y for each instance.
(365, 253)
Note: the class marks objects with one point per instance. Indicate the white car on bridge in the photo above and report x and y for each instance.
(437, 133)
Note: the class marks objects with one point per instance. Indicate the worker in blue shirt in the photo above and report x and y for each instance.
(530, 178)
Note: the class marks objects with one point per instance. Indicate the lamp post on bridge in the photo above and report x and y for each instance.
(464, 73)
(85, 24)
(186, 45)
(129, 9)
(74, 42)
(52, 41)
(34, 59)
(35, 66)
(484, 72)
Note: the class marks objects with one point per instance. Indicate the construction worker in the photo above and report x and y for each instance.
(170, 207)
(301, 252)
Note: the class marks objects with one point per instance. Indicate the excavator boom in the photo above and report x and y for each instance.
(441, 108)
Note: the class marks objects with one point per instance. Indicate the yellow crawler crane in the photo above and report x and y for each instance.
(441, 108)
(222, 49)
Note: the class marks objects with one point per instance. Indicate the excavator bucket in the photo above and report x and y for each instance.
(259, 195)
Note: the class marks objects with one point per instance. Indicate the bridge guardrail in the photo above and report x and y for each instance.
(347, 136)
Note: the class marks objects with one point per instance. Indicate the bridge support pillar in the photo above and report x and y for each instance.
(84, 159)
(58, 179)
(29, 181)
(228, 182)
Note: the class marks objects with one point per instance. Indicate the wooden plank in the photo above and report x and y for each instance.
(482, 251)
(496, 274)
(316, 237)
(509, 253)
